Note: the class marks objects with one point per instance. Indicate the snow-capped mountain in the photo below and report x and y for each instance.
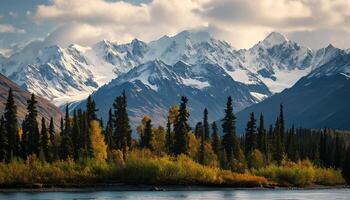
(69, 74)
(155, 86)
(320, 99)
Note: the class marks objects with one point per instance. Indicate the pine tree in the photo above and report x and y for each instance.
(250, 136)
(215, 139)
(262, 138)
(278, 146)
(281, 126)
(122, 129)
(31, 128)
(44, 139)
(109, 130)
(11, 125)
(52, 139)
(148, 134)
(181, 129)
(206, 125)
(91, 109)
(66, 149)
(198, 130)
(3, 141)
(76, 136)
(201, 152)
(169, 137)
(229, 141)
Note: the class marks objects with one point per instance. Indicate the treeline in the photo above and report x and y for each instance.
(82, 136)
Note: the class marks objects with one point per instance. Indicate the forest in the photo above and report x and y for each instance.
(86, 151)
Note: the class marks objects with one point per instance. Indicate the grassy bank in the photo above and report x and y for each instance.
(141, 167)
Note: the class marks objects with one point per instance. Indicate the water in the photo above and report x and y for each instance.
(317, 194)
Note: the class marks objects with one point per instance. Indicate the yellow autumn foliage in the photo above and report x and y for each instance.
(98, 142)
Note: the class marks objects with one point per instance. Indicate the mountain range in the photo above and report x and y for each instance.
(155, 74)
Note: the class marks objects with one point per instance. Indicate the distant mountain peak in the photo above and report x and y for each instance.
(274, 38)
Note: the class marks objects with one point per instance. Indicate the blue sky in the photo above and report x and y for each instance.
(310, 22)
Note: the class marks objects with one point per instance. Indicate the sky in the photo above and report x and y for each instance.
(242, 23)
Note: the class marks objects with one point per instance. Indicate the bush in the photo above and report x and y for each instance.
(302, 173)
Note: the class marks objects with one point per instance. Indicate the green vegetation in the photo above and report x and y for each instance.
(85, 151)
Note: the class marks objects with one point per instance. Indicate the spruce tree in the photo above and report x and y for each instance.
(181, 129)
(148, 134)
(76, 135)
(3, 141)
(44, 139)
(91, 109)
(215, 139)
(206, 125)
(229, 140)
(66, 148)
(31, 127)
(198, 130)
(278, 146)
(250, 136)
(201, 153)
(52, 139)
(11, 125)
(109, 131)
(169, 137)
(122, 129)
(262, 138)
(281, 125)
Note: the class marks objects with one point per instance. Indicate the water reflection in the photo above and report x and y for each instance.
(326, 194)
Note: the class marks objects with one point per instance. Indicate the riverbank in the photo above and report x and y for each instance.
(160, 188)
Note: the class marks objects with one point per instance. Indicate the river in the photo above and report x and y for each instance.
(220, 194)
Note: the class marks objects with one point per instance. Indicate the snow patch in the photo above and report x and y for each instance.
(195, 83)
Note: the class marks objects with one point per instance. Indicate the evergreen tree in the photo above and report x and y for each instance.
(281, 126)
(44, 139)
(215, 139)
(66, 149)
(148, 134)
(229, 141)
(201, 153)
(76, 136)
(122, 129)
(181, 129)
(198, 130)
(278, 147)
(250, 136)
(109, 130)
(206, 125)
(91, 109)
(11, 125)
(169, 137)
(3, 141)
(31, 128)
(262, 138)
(52, 139)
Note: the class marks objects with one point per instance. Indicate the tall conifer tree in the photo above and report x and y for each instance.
(3, 141)
(181, 129)
(44, 139)
(229, 141)
(11, 125)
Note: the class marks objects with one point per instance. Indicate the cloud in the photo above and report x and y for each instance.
(240, 22)
(8, 28)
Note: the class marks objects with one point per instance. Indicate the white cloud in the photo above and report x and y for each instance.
(240, 22)
(8, 28)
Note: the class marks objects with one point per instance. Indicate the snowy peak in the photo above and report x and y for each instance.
(274, 39)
